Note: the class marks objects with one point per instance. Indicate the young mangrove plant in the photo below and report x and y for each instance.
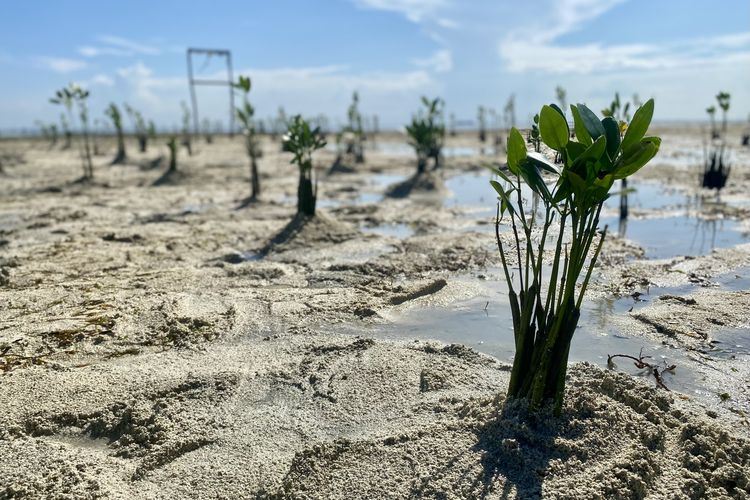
(187, 137)
(67, 134)
(302, 141)
(113, 113)
(354, 134)
(621, 115)
(427, 133)
(172, 145)
(140, 128)
(482, 121)
(716, 166)
(70, 96)
(49, 132)
(247, 125)
(546, 310)
(746, 133)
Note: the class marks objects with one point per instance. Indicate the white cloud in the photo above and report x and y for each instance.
(117, 46)
(101, 80)
(440, 62)
(596, 57)
(60, 64)
(414, 10)
(130, 45)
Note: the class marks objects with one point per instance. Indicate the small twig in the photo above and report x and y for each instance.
(641, 363)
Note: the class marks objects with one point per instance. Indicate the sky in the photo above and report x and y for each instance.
(310, 55)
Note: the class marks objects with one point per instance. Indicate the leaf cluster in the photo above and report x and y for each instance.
(427, 131)
(302, 140)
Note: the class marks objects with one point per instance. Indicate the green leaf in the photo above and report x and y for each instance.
(554, 128)
(639, 125)
(499, 173)
(516, 150)
(612, 133)
(533, 178)
(581, 133)
(542, 163)
(635, 157)
(591, 122)
(575, 149)
(503, 196)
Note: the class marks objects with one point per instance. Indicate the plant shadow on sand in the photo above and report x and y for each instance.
(517, 447)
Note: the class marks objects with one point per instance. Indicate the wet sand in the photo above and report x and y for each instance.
(161, 341)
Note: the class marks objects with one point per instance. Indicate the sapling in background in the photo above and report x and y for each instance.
(172, 146)
(546, 310)
(452, 127)
(509, 113)
(746, 133)
(427, 133)
(354, 131)
(621, 115)
(247, 126)
(482, 122)
(113, 113)
(139, 126)
(302, 141)
(716, 167)
(208, 133)
(711, 111)
(67, 134)
(187, 136)
(49, 132)
(75, 96)
(562, 99)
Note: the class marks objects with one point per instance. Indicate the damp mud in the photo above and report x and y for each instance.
(171, 340)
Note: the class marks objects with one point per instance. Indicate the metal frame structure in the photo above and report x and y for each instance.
(192, 81)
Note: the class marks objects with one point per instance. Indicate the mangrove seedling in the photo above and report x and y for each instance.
(65, 127)
(482, 120)
(49, 132)
(354, 134)
(140, 128)
(247, 125)
(546, 308)
(427, 133)
(172, 145)
(621, 115)
(70, 96)
(711, 111)
(302, 141)
(562, 98)
(746, 133)
(208, 133)
(716, 167)
(113, 113)
(187, 137)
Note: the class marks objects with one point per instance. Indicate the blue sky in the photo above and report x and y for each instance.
(309, 55)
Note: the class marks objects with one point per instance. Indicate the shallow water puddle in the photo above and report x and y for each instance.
(661, 237)
(485, 324)
(394, 230)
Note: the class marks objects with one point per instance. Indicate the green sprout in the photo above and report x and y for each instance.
(49, 132)
(187, 137)
(482, 120)
(302, 141)
(113, 113)
(245, 116)
(139, 125)
(354, 132)
(427, 133)
(65, 127)
(562, 98)
(711, 111)
(545, 315)
(723, 99)
(716, 168)
(75, 96)
(172, 145)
